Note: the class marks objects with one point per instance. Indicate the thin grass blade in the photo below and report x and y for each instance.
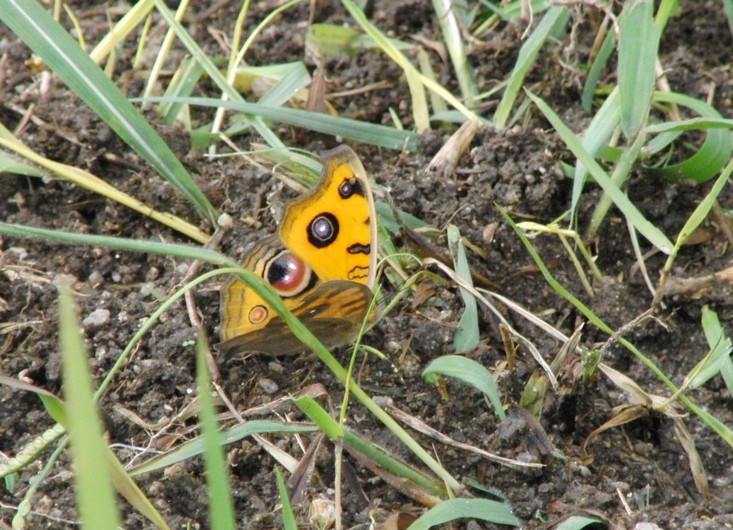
(94, 492)
(135, 245)
(466, 336)
(288, 515)
(553, 20)
(368, 133)
(447, 14)
(716, 149)
(720, 349)
(453, 509)
(195, 447)
(217, 479)
(596, 136)
(637, 57)
(594, 74)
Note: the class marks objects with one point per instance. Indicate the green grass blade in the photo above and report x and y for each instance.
(131, 492)
(514, 10)
(335, 431)
(288, 515)
(9, 164)
(555, 18)
(369, 133)
(447, 14)
(217, 479)
(293, 81)
(637, 57)
(48, 39)
(596, 69)
(466, 336)
(712, 155)
(94, 492)
(296, 79)
(187, 77)
(479, 509)
(195, 447)
(468, 371)
(647, 229)
(720, 346)
(121, 30)
(135, 245)
(577, 522)
(596, 136)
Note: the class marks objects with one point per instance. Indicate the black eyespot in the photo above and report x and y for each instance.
(350, 187)
(323, 230)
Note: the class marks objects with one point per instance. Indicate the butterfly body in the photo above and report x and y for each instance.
(322, 263)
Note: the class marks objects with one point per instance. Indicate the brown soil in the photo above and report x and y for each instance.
(639, 472)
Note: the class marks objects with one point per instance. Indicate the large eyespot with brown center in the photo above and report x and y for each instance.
(350, 187)
(257, 314)
(288, 274)
(323, 230)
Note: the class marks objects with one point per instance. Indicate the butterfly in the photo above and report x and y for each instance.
(322, 262)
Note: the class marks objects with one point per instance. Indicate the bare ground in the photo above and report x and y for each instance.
(638, 473)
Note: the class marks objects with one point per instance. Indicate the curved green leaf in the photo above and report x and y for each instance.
(468, 371)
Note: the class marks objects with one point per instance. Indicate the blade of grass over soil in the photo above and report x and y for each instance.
(48, 39)
(121, 30)
(720, 349)
(553, 21)
(217, 479)
(637, 57)
(467, 335)
(135, 245)
(195, 447)
(97, 185)
(453, 509)
(368, 133)
(447, 14)
(468, 371)
(716, 149)
(715, 334)
(94, 492)
(376, 454)
(595, 137)
(596, 69)
(288, 515)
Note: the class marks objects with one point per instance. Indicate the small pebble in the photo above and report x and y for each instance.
(96, 277)
(268, 385)
(97, 318)
(275, 367)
